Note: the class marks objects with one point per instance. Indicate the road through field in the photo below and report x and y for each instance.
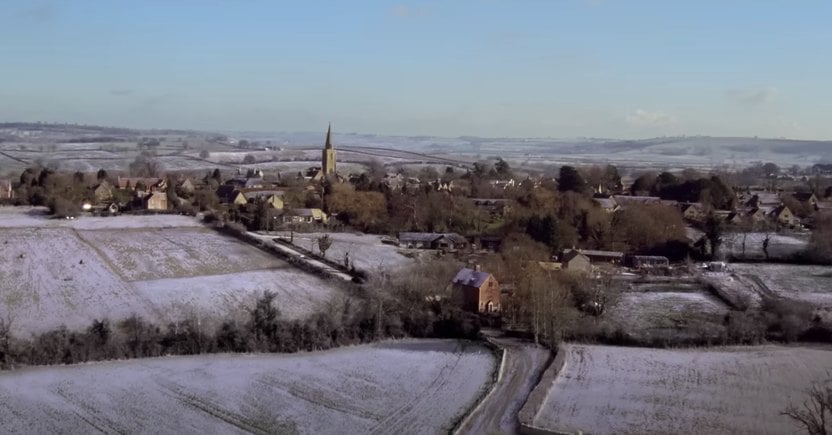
(497, 413)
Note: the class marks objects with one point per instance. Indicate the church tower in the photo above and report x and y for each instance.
(328, 161)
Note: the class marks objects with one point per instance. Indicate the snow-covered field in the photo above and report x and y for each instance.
(651, 313)
(365, 251)
(70, 272)
(605, 389)
(149, 254)
(62, 154)
(343, 168)
(408, 387)
(808, 283)
(19, 217)
(781, 246)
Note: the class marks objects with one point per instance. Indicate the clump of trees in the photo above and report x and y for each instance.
(820, 243)
(61, 192)
(711, 191)
(361, 209)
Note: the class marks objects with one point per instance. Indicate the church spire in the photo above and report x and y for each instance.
(328, 144)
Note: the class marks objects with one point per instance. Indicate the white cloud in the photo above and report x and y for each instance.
(752, 96)
(644, 118)
(404, 11)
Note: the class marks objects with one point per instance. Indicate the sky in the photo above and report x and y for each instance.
(490, 68)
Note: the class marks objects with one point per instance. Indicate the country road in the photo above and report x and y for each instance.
(497, 414)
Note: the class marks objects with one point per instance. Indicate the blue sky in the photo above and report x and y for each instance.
(522, 68)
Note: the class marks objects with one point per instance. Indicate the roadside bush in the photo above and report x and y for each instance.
(744, 328)
(785, 319)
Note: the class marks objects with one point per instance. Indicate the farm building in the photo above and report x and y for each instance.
(575, 261)
(476, 291)
(649, 261)
(611, 257)
(449, 241)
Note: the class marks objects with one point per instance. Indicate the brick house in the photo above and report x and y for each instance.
(476, 291)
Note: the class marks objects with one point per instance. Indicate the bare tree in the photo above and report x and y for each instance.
(815, 414)
(324, 242)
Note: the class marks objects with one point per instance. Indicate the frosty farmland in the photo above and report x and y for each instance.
(606, 389)
(393, 387)
(55, 273)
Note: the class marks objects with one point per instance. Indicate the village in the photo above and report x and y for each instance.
(591, 221)
(536, 264)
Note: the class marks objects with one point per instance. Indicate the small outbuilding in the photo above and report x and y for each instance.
(575, 261)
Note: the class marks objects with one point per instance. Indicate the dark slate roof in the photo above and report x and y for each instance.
(803, 196)
(569, 254)
(227, 192)
(430, 237)
(470, 277)
(262, 193)
(593, 253)
(253, 182)
(419, 237)
(650, 258)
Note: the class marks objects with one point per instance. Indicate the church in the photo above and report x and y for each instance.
(328, 160)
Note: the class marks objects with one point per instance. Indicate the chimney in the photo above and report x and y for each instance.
(477, 268)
